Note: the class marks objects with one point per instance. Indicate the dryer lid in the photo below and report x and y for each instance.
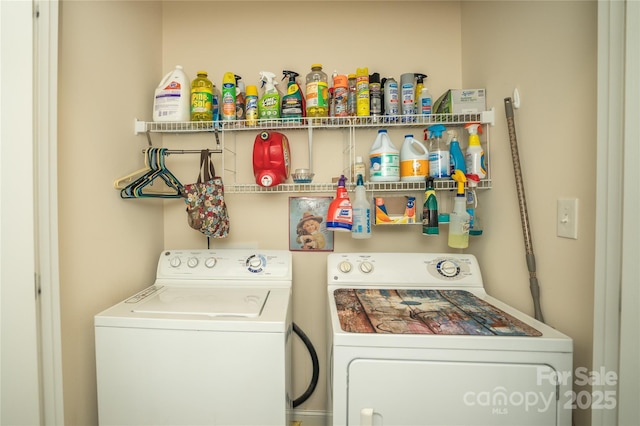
(212, 302)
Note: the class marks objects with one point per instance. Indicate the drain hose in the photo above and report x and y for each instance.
(316, 366)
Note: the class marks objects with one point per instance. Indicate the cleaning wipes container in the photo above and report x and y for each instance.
(384, 159)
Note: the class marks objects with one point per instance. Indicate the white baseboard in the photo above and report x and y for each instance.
(310, 417)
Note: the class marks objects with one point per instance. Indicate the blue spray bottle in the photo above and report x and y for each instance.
(456, 157)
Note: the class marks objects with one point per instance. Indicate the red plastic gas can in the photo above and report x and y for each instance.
(271, 158)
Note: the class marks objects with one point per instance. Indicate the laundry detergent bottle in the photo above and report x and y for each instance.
(271, 158)
(414, 160)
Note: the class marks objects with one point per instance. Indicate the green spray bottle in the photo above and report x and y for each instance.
(292, 102)
(430, 210)
(269, 103)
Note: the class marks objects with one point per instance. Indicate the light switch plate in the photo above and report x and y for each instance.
(568, 218)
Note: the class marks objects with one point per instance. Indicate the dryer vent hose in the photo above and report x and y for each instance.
(316, 366)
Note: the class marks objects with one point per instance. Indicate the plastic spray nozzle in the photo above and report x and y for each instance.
(291, 75)
(237, 77)
(267, 79)
(341, 181)
(473, 180)
(420, 77)
(459, 177)
(473, 128)
(360, 181)
(437, 130)
(453, 135)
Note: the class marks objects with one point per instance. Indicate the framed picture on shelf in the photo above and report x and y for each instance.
(307, 228)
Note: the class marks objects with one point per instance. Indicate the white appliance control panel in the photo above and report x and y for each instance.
(407, 269)
(227, 264)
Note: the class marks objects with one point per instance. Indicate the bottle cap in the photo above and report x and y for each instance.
(340, 80)
(316, 66)
(252, 90)
(374, 78)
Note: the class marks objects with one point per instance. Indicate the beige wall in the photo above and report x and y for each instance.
(497, 45)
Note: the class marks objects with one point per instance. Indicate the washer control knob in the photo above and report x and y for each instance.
(448, 268)
(210, 262)
(192, 262)
(344, 266)
(256, 263)
(366, 267)
(174, 262)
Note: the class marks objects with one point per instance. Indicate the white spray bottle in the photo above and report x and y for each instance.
(474, 157)
(459, 217)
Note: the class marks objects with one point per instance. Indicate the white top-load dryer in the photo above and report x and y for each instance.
(207, 344)
(416, 341)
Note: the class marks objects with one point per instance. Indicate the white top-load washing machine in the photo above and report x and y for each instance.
(207, 344)
(416, 341)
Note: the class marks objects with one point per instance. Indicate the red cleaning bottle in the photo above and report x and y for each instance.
(340, 212)
(271, 158)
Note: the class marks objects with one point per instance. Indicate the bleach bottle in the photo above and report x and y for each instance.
(414, 160)
(438, 153)
(172, 100)
(384, 159)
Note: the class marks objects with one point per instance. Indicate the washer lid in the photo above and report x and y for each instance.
(213, 302)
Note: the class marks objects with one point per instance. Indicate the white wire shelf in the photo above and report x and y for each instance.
(485, 117)
(439, 185)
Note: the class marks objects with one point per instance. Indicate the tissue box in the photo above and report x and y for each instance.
(395, 210)
(461, 101)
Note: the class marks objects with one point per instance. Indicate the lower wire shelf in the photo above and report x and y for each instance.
(439, 184)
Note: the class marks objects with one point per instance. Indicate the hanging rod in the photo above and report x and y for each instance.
(188, 151)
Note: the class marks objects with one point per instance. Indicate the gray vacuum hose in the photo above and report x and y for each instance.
(524, 216)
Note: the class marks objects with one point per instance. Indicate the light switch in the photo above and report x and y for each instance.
(568, 218)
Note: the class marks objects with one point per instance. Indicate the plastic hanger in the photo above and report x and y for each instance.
(140, 187)
(122, 182)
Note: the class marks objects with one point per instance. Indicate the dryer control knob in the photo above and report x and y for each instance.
(192, 262)
(174, 262)
(210, 262)
(344, 266)
(366, 267)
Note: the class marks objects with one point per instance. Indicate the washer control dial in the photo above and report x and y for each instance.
(366, 267)
(448, 268)
(256, 263)
(192, 262)
(210, 262)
